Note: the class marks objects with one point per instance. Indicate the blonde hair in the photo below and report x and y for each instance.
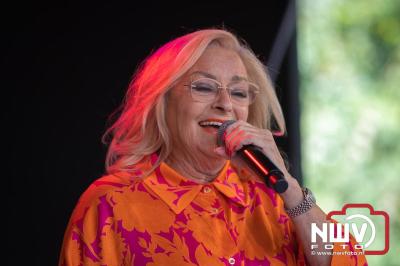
(141, 128)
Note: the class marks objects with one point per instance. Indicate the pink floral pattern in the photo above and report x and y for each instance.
(166, 219)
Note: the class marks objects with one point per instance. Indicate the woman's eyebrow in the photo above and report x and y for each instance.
(239, 78)
(208, 75)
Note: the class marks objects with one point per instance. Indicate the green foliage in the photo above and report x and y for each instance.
(350, 96)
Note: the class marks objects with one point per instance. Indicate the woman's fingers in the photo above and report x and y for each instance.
(234, 143)
(241, 133)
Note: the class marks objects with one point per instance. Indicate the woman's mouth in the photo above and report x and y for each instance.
(210, 126)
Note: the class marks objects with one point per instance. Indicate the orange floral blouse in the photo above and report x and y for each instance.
(166, 219)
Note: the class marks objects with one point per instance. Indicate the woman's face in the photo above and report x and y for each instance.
(185, 116)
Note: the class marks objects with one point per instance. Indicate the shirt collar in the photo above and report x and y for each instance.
(178, 192)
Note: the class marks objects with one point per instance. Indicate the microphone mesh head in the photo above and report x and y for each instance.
(221, 131)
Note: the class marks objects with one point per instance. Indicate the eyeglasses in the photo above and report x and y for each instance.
(241, 92)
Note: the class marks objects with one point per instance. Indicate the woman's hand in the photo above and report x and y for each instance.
(242, 133)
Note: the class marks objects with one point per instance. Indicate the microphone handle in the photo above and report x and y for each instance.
(264, 167)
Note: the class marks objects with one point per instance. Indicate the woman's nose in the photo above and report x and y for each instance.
(223, 100)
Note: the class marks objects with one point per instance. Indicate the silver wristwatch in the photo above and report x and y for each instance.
(308, 202)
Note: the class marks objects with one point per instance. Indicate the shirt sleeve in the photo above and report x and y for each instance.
(91, 238)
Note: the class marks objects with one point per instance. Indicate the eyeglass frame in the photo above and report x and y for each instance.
(221, 86)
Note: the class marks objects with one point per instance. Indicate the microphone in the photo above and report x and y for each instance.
(253, 156)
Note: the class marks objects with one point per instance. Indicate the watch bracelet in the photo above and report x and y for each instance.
(303, 207)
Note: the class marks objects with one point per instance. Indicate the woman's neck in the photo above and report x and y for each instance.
(202, 171)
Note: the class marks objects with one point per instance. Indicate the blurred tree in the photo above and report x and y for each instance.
(349, 58)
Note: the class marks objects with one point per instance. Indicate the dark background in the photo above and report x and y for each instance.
(66, 68)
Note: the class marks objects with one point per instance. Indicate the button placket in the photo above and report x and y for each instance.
(208, 190)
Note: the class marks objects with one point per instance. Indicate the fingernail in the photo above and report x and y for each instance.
(277, 133)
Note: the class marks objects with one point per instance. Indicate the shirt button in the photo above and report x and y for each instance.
(231, 261)
(214, 210)
(206, 189)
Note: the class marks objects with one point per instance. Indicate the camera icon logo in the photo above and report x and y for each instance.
(369, 227)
